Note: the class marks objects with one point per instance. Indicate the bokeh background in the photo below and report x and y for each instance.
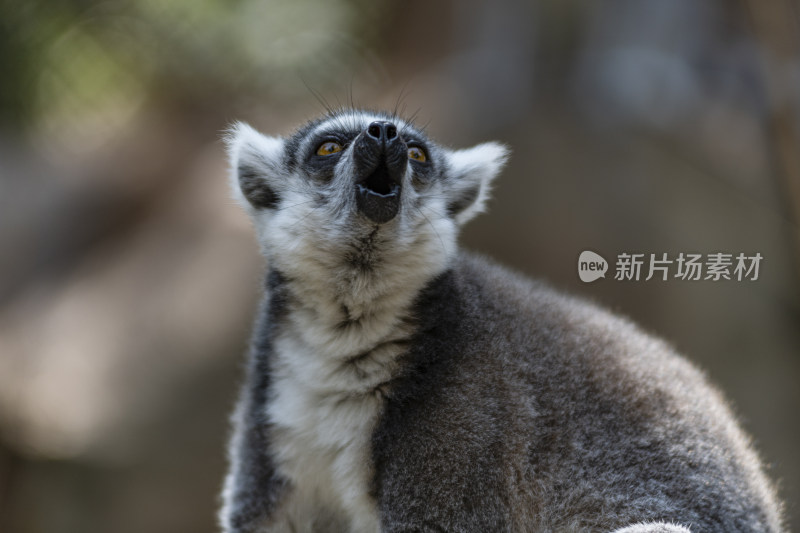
(128, 277)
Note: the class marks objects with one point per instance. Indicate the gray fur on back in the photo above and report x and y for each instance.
(539, 412)
(397, 384)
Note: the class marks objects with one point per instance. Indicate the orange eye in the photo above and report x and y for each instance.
(417, 154)
(329, 148)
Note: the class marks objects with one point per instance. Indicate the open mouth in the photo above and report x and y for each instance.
(378, 196)
(379, 182)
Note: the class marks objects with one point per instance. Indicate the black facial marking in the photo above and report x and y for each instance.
(321, 168)
(293, 157)
(255, 188)
(423, 174)
(465, 199)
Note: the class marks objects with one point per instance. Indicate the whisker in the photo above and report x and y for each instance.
(295, 205)
(444, 248)
(305, 217)
(317, 95)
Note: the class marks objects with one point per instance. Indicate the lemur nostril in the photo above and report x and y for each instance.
(382, 130)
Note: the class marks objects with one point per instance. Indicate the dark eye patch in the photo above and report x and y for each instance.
(342, 137)
(423, 172)
(321, 167)
(412, 139)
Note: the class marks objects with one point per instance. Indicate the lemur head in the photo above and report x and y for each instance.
(358, 198)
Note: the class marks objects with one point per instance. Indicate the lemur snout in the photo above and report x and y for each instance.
(381, 160)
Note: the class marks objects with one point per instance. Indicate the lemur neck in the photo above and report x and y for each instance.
(346, 310)
(349, 293)
(341, 318)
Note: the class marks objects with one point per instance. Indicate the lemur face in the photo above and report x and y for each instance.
(354, 185)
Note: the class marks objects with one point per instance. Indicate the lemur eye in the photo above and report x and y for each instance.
(417, 154)
(329, 148)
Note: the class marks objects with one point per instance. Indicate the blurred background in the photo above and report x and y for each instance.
(128, 277)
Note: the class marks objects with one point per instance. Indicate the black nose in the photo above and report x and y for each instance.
(382, 130)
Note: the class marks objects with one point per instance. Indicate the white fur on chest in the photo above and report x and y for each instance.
(338, 344)
(323, 410)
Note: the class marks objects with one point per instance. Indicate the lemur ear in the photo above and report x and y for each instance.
(255, 162)
(469, 178)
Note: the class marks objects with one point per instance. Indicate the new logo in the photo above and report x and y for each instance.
(591, 266)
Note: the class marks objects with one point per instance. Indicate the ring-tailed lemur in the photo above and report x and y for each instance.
(396, 383)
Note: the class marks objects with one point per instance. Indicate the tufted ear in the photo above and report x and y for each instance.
(469, 177)
(255, 167)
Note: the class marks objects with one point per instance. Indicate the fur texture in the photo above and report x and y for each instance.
(395, 383)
